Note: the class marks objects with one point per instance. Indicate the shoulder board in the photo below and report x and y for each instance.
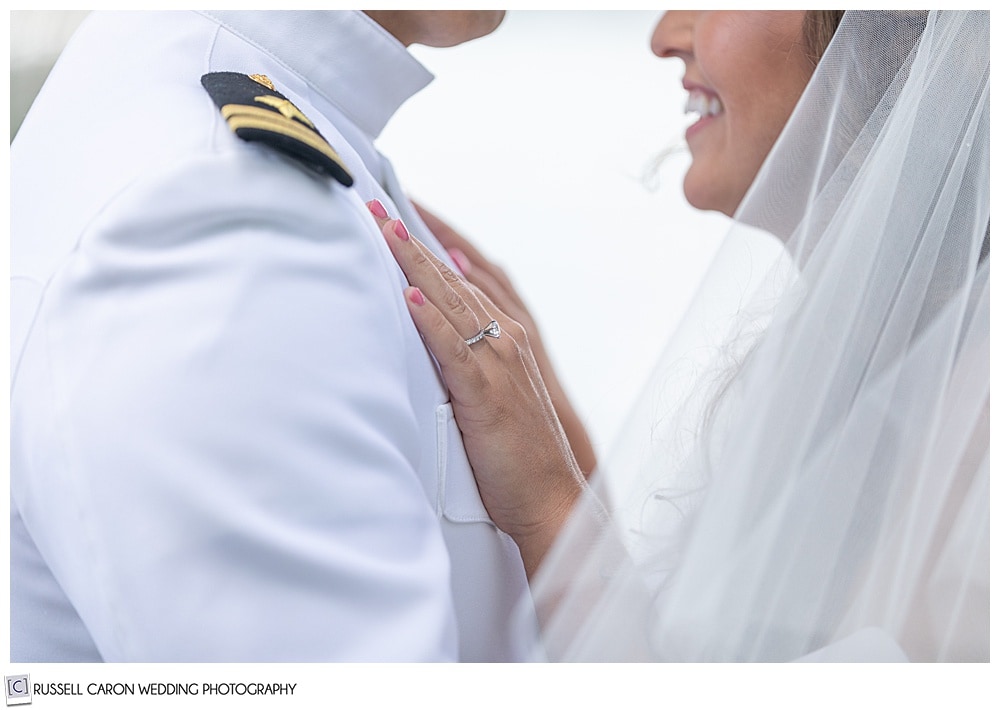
(256, 112)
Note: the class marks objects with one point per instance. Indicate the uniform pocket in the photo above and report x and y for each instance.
(458, 494)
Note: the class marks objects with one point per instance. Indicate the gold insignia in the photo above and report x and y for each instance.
(263, 80)
(285, 107)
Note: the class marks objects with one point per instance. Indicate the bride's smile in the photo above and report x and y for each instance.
(705, 104)
(728, 56)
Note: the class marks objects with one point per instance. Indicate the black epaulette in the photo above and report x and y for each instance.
(256, 112)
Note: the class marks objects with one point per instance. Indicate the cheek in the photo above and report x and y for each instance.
(755, 115)
(756, 127)
(753, 130)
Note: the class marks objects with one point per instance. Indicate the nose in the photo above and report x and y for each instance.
(673, 34)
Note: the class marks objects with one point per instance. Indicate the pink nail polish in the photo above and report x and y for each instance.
(400, 229)
(461, 260)
(416, 297)
(378, 209)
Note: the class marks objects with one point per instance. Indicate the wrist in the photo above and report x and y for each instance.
(552, 513)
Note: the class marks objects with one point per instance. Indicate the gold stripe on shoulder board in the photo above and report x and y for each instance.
(285, 107)
(241, 116)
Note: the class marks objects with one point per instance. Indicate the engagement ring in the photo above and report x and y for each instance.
(492, 330)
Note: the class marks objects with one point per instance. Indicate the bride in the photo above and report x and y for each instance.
(809, 465)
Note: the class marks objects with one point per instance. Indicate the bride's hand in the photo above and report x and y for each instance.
(494, 282)
(528, 477)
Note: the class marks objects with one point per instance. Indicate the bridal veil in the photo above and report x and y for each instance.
(807, 472)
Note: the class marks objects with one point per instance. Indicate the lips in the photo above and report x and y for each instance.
(704, 103)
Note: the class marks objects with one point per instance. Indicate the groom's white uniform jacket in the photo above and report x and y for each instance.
(228, 440)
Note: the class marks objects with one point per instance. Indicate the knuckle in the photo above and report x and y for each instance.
(420, 259)
(454, 303)
(450, 276)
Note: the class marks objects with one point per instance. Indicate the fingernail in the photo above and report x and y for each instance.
(400, 229)
(415, 296)
(378, 209)
(461, 260)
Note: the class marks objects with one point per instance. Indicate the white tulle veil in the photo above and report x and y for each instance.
(808, 470)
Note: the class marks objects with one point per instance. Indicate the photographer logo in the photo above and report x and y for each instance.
(18, 689)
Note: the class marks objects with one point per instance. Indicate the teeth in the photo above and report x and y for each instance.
(702, 104)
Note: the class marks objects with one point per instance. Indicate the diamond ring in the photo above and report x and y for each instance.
(492, 330)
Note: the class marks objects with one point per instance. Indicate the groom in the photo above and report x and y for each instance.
(228, 441)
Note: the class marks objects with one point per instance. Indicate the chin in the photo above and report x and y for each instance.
(455, 27)
(498, 16)
(487, 22)
(706, 200)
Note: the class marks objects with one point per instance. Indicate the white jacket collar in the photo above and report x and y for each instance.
(344, 55)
